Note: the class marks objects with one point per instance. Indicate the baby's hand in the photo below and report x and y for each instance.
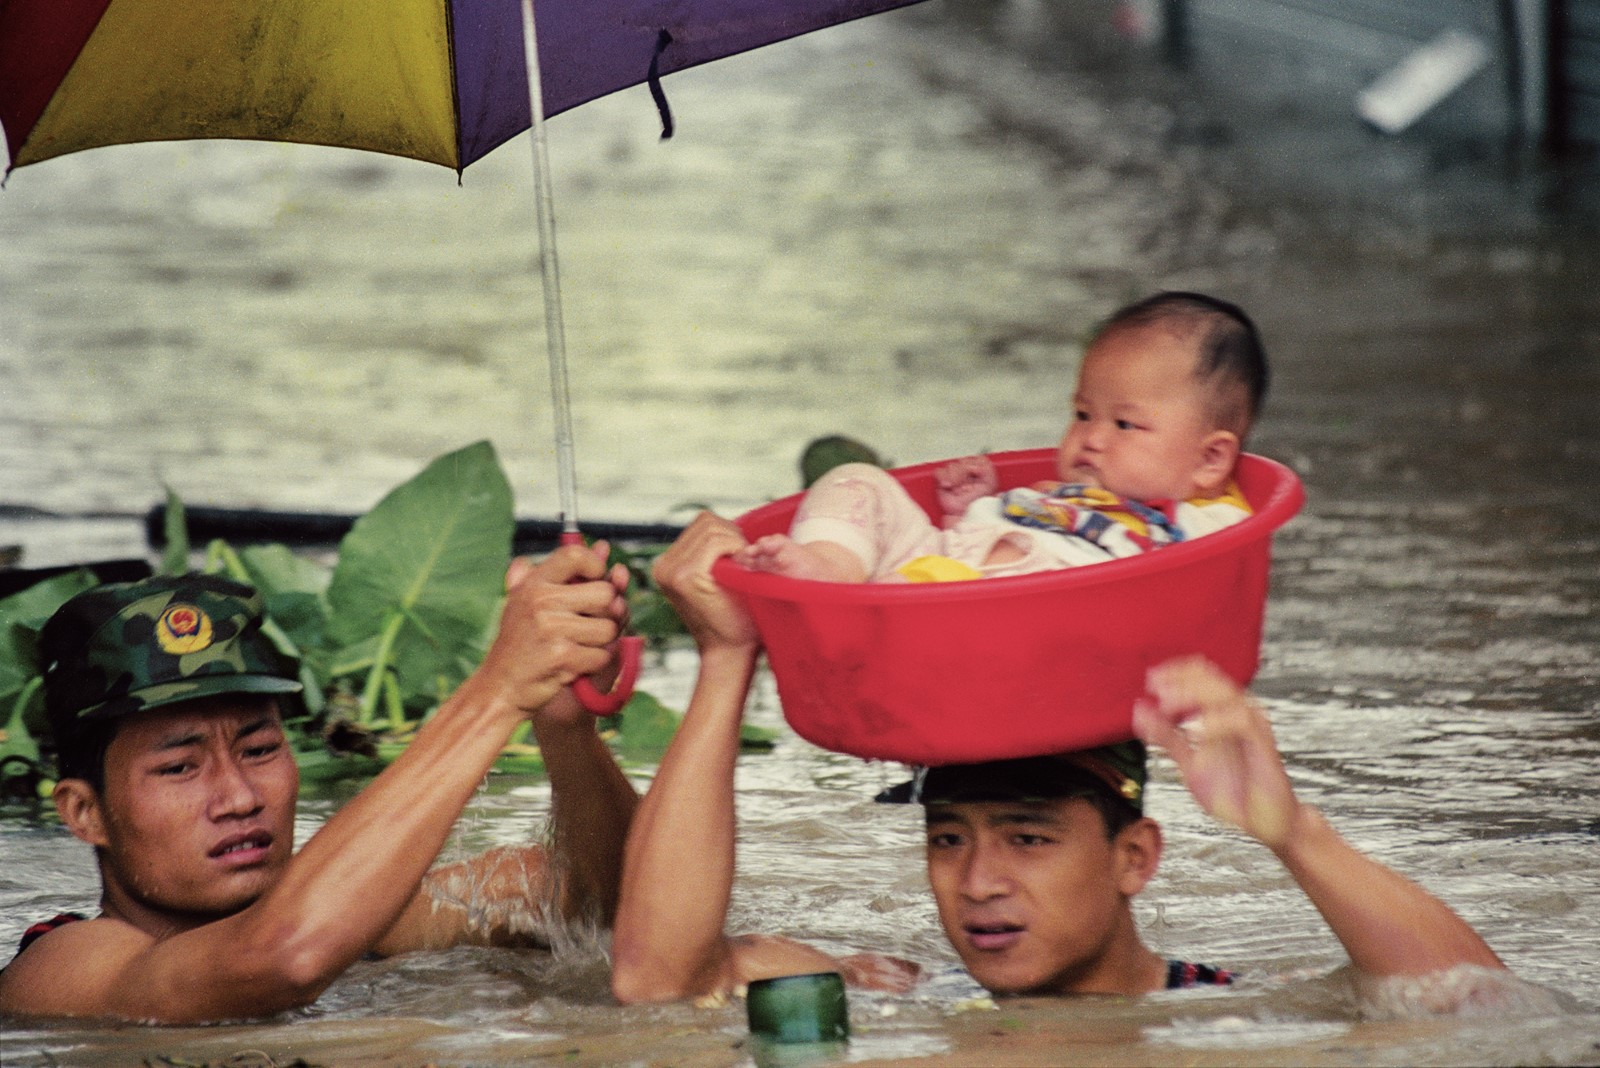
(963, 481)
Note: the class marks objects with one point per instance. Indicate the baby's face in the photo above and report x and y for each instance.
(1140, 418)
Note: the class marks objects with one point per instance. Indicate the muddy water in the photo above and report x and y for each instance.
(899, 229)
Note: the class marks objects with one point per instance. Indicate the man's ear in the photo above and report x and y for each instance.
(1219, 451)
(1138, 855)
(78, 805)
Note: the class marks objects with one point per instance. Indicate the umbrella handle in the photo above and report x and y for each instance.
(631, 651)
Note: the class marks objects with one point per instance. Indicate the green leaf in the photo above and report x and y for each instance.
(16, 740)
(520, 764)
(754, 739)
(175, 525)
(652, 616)
(350, 659)
(644, 728)
(22, 616)
(320, 765)
(302, 616)
(435, 550)
(274, 569)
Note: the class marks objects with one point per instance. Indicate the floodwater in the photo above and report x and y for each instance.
(898, 229)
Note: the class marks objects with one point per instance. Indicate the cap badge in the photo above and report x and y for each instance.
(183, 628)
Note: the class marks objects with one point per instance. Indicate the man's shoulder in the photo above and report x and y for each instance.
(59, 960)
(44, 927)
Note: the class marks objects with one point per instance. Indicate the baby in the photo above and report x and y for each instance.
(1167, 393)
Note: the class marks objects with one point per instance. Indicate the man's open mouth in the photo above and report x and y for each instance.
(993, 936)
(244, 847)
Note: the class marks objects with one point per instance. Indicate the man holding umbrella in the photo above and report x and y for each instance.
(1033, 863)
(166, 703)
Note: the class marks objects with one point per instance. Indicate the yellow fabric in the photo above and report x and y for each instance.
(370, 74)
(1105, 502)
(1232, 495)
(937, 569)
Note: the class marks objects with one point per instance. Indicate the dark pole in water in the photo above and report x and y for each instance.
(1175, 32)
(322, 528)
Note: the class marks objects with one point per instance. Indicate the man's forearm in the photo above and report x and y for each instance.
(592, 807)
(669, 940)
(377, 847)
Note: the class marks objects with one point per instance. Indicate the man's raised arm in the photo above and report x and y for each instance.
(508, 888)
(356, 876)
(1224, 748)
(669, 941)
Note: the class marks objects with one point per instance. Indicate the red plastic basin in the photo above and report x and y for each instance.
(995, 668)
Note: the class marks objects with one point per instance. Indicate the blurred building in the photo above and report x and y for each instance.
(1526, 69)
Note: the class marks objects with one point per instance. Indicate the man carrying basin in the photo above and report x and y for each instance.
(167, 704)
(1033, 864)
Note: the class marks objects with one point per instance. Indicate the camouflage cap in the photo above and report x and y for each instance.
(124, 647)
(1115, 770)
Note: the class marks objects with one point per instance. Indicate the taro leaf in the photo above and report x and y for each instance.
(754, 739)
(274, 569)
(652, 616)
(175, 525)
(645, 726)
(16, 741)
(302, 616)
(434, 550)
(525, 762)
(320, 765)
(22, 616)
(350, 660)
(294, 590)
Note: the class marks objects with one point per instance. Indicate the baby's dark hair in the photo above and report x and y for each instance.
(1230, 349)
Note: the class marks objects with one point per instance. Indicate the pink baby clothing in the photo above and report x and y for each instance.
(865, 509)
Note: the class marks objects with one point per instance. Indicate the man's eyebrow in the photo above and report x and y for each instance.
(257, 725)
(188, 738)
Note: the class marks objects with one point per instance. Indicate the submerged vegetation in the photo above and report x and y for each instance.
(380, 638)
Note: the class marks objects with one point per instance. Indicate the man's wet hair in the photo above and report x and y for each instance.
(1230, 349)
(81, 753)
(1114, 812)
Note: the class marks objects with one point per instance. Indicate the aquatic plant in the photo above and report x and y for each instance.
(380, 638)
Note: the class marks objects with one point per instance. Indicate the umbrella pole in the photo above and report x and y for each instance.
(555, 327)
(630, 649)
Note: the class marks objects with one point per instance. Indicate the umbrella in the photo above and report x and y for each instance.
(444, 81)
(437, 80)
